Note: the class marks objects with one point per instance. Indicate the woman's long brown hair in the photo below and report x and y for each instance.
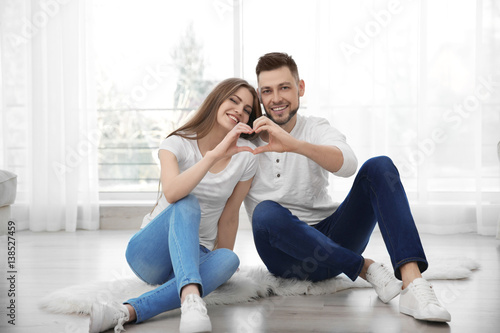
(204, 119)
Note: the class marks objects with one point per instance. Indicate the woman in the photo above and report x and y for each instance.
(185, 245)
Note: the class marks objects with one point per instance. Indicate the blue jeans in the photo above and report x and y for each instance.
(290, 248)
(166, 252)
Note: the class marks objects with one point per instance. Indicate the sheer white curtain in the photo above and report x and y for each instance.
(49, 135)
(498, 223)
(418, 81)
(426, 94)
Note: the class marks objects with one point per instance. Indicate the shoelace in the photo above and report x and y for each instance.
(192, 304)
(425, 293)
(383, 276)
(119, 326)
(120, 317)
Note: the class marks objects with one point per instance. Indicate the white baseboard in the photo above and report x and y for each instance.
(124, 217)
(4, 219)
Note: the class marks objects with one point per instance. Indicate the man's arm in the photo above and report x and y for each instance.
(328, 157)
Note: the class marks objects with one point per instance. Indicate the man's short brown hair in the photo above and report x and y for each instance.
(275, 60)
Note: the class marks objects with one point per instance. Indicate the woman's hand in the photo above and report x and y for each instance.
(177, 185)
(228, 146)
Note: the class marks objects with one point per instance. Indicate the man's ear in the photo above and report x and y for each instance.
(302, 88)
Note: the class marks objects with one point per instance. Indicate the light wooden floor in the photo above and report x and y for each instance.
(49, 261)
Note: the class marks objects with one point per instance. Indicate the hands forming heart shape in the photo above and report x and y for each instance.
(278, 139)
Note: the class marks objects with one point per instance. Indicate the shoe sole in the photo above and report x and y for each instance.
(197, 330)
(395, 293)
(412, 313)
(387, 300)
(189, 328)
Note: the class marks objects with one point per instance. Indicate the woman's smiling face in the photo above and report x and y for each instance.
(237, 108)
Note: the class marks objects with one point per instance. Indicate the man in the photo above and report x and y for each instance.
(297, 230)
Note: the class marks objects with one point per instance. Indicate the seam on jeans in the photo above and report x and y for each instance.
(411, 259)
(159, 288)
(137, 311)
(206, 257)
(177, 248)
(389, 238)
(211, 254)
(359, 269)
(137, 238)
(191, 280)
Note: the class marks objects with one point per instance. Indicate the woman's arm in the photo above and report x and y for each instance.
(229, 219)
(177, 185)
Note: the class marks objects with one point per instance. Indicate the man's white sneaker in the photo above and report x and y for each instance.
(106, 316)
(194, 317)
(419, 301)
(383, 281)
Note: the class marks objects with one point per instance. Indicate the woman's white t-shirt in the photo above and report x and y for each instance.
(214, 189)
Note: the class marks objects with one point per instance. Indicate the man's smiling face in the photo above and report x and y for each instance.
(280, 92)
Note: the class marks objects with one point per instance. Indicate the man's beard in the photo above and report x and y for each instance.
(285, 121)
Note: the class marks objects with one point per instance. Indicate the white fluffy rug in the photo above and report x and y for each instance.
(249, 283)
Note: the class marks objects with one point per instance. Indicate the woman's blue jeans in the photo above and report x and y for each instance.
(291, 248)
(166, 252)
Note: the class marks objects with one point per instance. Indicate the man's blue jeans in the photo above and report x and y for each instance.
(166, 252)
(290, 248)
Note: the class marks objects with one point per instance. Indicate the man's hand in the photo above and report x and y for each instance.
(329, 158)
(279, 140)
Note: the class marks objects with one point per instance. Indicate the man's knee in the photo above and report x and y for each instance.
(379, 165)
(265, 211)
(269, 214)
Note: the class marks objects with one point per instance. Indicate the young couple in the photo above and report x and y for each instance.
(208, 167)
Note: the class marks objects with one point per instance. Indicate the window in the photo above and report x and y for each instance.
(156, 61)
(388, 74)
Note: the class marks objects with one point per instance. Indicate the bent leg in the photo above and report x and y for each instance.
(291, 248)
(377, 195)
(168, 245)
(184, 240)
(216, 267)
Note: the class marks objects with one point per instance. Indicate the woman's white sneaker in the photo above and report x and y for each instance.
(419, 301)
(194, 317)
(383, 281)
(106, 316)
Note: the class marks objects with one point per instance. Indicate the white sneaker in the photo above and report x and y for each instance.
(106, 316)
(419, 301)
(383, 281)
(194, 317)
